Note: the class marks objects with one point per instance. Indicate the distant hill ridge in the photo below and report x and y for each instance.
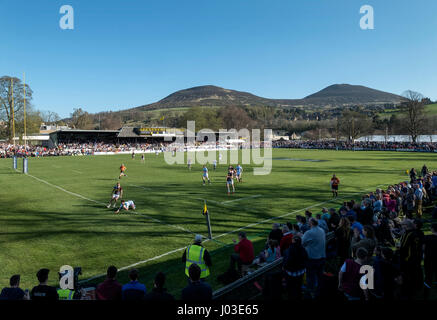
(334, 95)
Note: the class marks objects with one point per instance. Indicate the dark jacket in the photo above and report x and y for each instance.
(411, 248)
(197, 291)
(365, 216)
(343, 242)
(158, 295)
(295, 258)
(275, 235)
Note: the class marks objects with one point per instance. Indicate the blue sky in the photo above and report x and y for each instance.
(122, 54)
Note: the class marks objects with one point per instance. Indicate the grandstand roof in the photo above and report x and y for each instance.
(128, 132)
(90, 131)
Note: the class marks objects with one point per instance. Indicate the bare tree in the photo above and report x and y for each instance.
(81, 119)
(50, 117)
(414, 111)
(353, 124)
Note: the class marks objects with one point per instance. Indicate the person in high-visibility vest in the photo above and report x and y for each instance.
(196, 253)
(66, 294)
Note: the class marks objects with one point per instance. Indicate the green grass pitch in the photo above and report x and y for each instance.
(56, 214)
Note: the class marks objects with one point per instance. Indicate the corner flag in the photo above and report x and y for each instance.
(208, 221)
(205, 209)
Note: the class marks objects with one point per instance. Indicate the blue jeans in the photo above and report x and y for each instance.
(314, 274)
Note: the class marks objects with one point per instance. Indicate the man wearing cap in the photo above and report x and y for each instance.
(43, 291)
(197, 254)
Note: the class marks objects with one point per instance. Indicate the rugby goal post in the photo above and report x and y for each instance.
(25, 165)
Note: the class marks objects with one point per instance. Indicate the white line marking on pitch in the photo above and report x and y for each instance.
(219, 236)
(135, 264)
(223, 234)
(255, 196)
(287, 214)
(77, 171)
(62, 189)
(98, 202)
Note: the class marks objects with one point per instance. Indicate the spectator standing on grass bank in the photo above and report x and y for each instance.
(425, 170)
(314, 242)
(365, 213)
(294, 265)
(14, 292)
(368, 242)
(197, 254)
(196, 290)
(343, 235)
(419, 200)
(349, 276)
(159, 293)
(302, 223)
(43, 292)
(413, 175)
(110, 289)
(322, 223)
(387, 274)
(276, 233)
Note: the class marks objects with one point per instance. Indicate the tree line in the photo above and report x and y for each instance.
(348, 123)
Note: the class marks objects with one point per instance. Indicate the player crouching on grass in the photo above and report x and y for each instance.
(205, 175)
(117, 193)
(126, 205)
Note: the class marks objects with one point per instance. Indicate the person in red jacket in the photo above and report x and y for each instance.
(244, 253)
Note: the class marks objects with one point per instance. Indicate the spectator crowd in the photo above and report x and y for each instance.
(75, 149)
(357, 145)
(79, 148)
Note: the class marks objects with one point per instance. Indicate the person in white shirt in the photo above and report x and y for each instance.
(126, 205)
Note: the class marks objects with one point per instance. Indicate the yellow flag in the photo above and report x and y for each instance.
(205, 209)
(162, 118)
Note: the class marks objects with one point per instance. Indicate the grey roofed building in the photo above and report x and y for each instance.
(128, 132)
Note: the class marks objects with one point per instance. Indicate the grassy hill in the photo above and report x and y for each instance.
(430, 110)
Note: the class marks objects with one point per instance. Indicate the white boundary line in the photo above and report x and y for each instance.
(98, 202)
(240, 199)
(135, 264)
(290, 213)
(180, 249)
